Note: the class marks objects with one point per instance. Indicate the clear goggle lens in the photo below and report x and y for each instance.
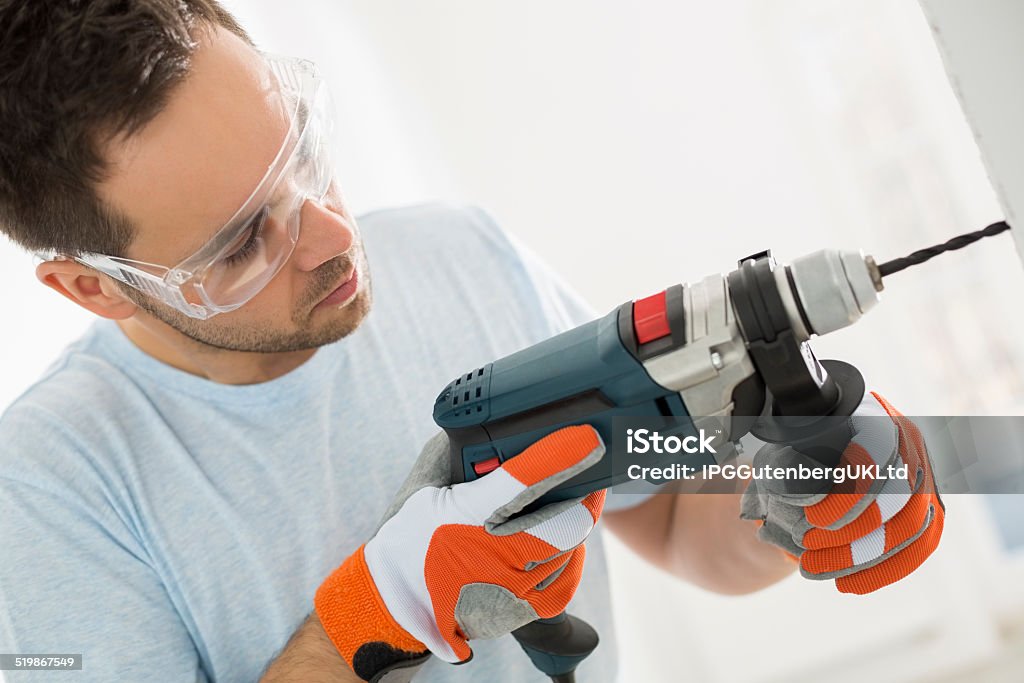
(250, 249)
(257, 246)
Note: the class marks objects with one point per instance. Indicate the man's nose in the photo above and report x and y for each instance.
(323, 235)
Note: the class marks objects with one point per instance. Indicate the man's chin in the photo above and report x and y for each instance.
(316, 331)
(338, 323)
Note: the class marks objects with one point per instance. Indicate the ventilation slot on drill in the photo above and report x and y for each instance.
(464, 398)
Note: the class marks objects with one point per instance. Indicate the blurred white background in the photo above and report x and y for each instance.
(635, 145)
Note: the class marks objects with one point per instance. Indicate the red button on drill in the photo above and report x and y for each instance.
(650, 319)
(484, 466)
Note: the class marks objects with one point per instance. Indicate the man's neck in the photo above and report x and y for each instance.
(169, 346)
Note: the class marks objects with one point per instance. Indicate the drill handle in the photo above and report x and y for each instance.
(823, 437)
(556, 646)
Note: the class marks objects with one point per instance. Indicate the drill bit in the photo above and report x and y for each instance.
(922, 255)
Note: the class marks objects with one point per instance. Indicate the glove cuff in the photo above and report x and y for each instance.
(358, 623)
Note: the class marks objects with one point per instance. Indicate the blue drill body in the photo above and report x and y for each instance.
(586, 375)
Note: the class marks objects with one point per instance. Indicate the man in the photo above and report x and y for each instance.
(201, 487)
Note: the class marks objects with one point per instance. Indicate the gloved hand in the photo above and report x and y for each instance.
(448, 564)
(864, 533)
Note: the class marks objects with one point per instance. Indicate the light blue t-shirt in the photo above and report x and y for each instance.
(173, 529)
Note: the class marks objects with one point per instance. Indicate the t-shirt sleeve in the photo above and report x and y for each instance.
(72, 582)
(562, 306)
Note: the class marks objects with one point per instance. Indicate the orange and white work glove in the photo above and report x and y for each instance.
(865, 533)
(452, 563)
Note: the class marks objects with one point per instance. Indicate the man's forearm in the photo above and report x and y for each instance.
(700, 537)
(715, 549)
(309, 657)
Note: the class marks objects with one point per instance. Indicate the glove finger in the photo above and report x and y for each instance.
(912, 446)
(900, 564)
(519, 481)
(553, 597)
(569, 528)
(906, 523)
(874, 430)
(874, 548)
(876, 444)
(894, 497)
(595, 503)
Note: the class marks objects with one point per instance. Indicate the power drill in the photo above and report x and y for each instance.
(732, 349)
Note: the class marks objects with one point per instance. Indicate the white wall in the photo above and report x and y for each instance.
(639, 144)
(981, 47)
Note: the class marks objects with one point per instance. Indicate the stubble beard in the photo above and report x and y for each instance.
(254, 338)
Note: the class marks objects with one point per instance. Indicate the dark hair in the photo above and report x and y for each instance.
(73, 75)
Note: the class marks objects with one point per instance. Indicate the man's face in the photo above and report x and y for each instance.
(183, 176)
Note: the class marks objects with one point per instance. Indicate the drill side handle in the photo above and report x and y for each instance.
(823, 438)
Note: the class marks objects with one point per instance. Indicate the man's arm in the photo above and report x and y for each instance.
(701, 538)
(309, 657)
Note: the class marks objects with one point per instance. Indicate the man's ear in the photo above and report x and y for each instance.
(86, 287)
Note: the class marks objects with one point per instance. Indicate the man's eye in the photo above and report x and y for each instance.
(253, 231)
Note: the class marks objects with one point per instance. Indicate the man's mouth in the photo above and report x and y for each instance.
(343, 292)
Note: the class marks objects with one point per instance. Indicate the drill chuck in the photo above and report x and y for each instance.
(778, 309)
(830, 289)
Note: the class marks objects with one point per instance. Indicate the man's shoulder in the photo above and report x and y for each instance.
(64, 409)
(427, 216)
(456, 261)
(443, 228)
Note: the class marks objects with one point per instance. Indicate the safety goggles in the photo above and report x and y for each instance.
(245, 254)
